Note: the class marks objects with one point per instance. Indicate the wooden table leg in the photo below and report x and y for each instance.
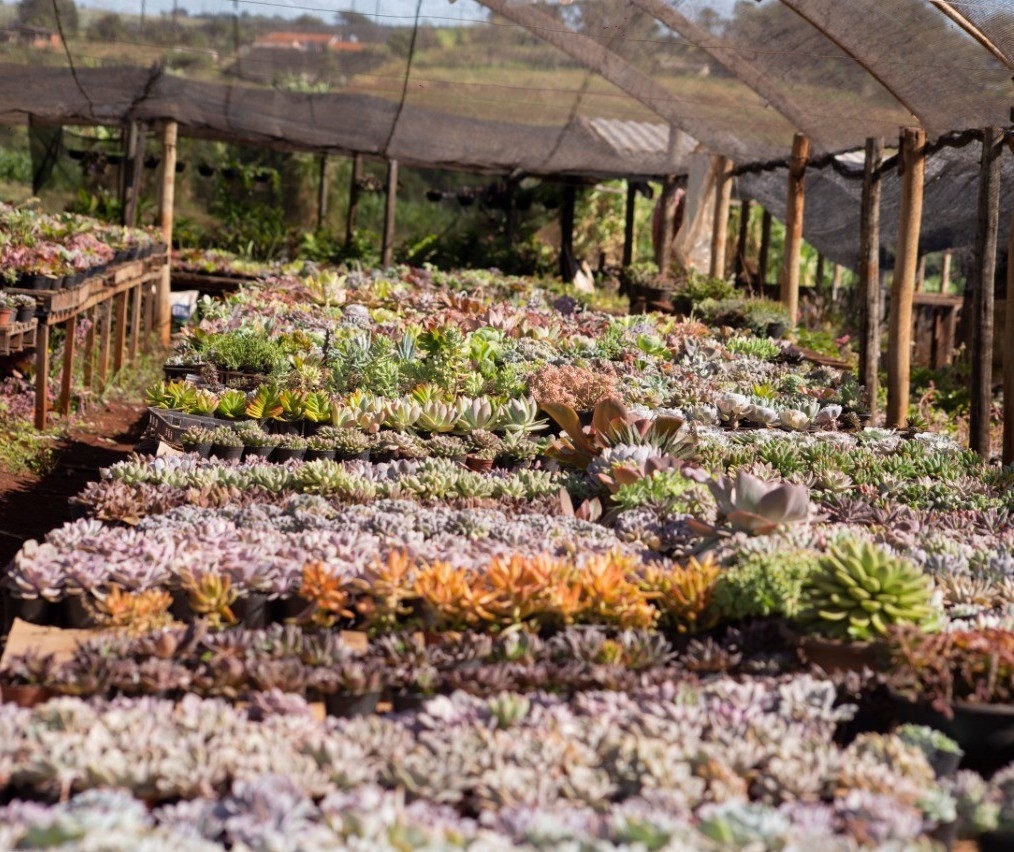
(149, 315)
(135, 320)
(121, 331)
(89, 351)
(67, 373)
(42, 374)
(105, 341)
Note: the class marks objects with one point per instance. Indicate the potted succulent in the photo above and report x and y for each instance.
(852, 599)
(351, 688)
(23, 680)
(290, 448)
(24, 306)
(348, 443)
(318, 448)
(257, 443)
(198, 439)
(7, 309)
(226, 444)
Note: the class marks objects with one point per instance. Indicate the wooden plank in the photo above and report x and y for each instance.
(987, 222)
(134, 166)
(869, 274)
(945, 272)
(912, 158)
(322, 188)
(390, 214)
(742, 238)
(664, 258)
(795, 203)
(61, 643)
(120, 330)
(763, 256)
(42, 374)
(67, 371)
(628, 223)
(350, 216)
(163, 298)
(720, 222)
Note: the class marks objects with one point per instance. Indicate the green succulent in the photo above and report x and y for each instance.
(859, 591)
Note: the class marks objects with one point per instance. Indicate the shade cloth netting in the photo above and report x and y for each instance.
(544, 88)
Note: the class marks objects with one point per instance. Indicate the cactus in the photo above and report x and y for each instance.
(858, 592)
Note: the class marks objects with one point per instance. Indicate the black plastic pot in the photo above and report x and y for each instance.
(76, 614)
(203, 450)
(985, 732)
(996, 841)
(262, 453)
(945, 763)
(351, 706)
(777, 330)
(34, 610)
(282, 610)
(46, 282)
(251, 610)
(227, 453)
(409, 702)
(319, 455)
(25, 313)
(180, 607)
(283, 455)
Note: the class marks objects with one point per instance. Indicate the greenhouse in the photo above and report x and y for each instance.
(443, 424)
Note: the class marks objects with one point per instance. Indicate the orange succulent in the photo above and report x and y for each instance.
(134, 613)
(682, 594)
(327, 595)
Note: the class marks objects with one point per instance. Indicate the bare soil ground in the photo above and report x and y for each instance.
(31, 505)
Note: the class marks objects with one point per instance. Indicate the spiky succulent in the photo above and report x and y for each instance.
(858, 591)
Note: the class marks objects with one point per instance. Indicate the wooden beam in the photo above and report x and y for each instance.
(120, 309)
(742, 238)
(350, 216)
(67, 371)
(987, 221)
(568, 263)
(390, 212)
(323, 184)
(818, 274)
(163, 297)
(133, 165)
(1008, 354)
(720, 224)
(628, 224)
(764, 255)
(912, 156)
(795, 203)
(42, 373)
(664, 258)
(869, 273)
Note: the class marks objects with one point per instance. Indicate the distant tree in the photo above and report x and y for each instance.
(40, 13)
(109, 27)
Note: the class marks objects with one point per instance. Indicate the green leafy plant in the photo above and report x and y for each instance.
(231, 405)
(860, 591)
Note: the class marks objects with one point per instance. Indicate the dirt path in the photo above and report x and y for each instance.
(31, 505)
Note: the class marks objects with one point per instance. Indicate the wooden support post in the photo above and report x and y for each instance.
(133, 164)
(1008, 354)
(912, 156)
(163, 299)
(764, 255)
(628, 224)
(42, 373)
(869, 274)
(322, 188)
(982, 294)
(740, 266)
(390, 209)
(67, 371)
(350, 216)
(720, 224)
(664, 259)
(135, 320)
(88, 367)
(121, 331)
(945, 272)
(794, 226)
(818, 275)
(920, 274)
(836, 279)
(105, 342)
(568, 263)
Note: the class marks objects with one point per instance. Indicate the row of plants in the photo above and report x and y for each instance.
(47, 252)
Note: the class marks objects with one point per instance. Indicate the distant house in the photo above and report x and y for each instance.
(38, 38)
(308, 42)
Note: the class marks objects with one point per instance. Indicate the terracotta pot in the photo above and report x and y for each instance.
(478, 465)
(6, 315)
(24, 696)
(834, 656)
